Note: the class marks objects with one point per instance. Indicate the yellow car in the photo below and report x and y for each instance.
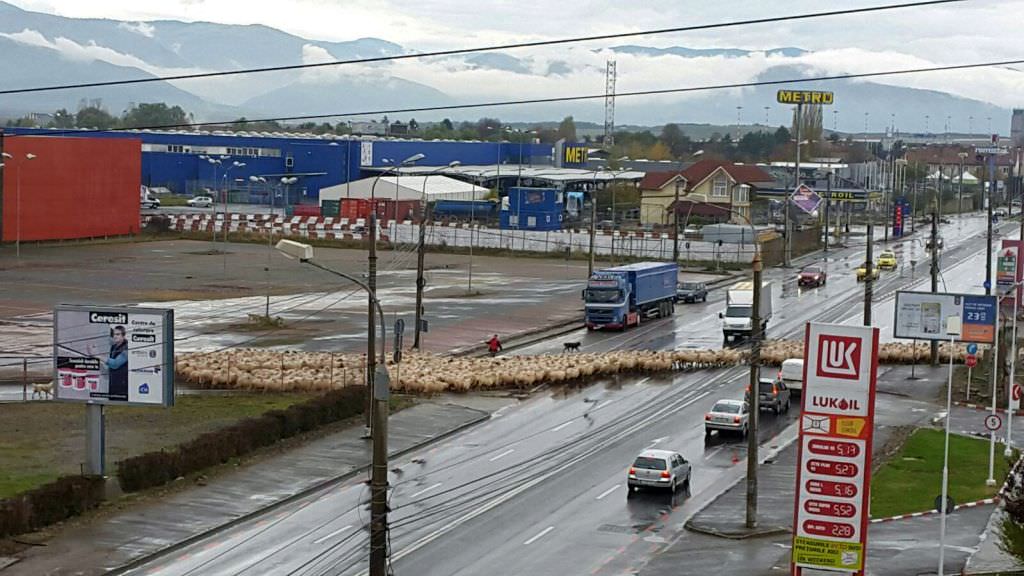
(862, 272)
(887, 260)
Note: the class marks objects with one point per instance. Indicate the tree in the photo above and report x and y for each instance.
(94, 117)
(414, 126)
(783, 136)
(63, 119)
(154, 114)
(488, 128)
(447, 125)
(567, 129)
(810, 127)
(677, 141)
(659, 152)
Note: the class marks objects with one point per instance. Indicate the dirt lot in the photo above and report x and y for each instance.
(43, 440)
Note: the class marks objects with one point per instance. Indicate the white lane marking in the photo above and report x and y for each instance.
(643, 381)
(538, 536)
(608, 491)
(657, 441)
(503, 454)
(331, 535)
(560, 426)
(425, 490)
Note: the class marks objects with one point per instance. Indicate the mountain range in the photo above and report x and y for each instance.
(43, 50)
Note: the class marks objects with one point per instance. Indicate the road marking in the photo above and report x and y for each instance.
(643, 381)
(503, 454)
(538, 536)
(425, 490)
(657, 441)
(560, 426)
(331, 535)
(608, 491)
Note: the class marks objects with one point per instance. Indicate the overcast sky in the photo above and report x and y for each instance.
(969, 31)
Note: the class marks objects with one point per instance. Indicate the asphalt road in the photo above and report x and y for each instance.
(540, 488)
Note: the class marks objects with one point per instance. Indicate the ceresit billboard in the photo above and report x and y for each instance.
(113, 355)
(830, 519)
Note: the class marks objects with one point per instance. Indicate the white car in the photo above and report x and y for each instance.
(200, 202)
(659, 469)
(728, 416)
(792, 373)
(150, 203)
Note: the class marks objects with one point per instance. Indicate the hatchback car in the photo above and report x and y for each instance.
(691, 292)
(200, 202)
(811, 276)
(938, 242)
(772, 395)
(728, 416)
(659, 469)
(862, 272)
(887, 260)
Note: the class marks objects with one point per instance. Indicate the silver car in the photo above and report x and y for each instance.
(659, 469)
(728, 416)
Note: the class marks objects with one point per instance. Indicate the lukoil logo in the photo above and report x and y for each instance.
(839, 356)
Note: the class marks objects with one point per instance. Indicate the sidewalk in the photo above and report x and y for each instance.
(127, 537)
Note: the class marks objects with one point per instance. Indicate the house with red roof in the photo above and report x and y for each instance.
(711, 189)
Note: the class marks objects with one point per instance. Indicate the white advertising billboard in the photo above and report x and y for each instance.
(834, 468)
(118, 356)
(924, 315)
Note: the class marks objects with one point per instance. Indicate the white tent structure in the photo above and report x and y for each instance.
(435, 187)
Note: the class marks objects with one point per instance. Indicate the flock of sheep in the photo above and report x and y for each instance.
(257, 369)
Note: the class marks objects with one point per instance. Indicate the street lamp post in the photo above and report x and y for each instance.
(270, 237)
(421, 250)
(960, 186)
(17, 211)
(378, 390)
(235, 164)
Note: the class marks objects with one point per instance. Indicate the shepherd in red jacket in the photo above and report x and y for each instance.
(494, 345)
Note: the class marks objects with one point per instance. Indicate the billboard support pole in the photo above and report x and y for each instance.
(1010, 385)
(94, 439)
(943, 507)
(991, 481)
(935, 278)
(867, 278)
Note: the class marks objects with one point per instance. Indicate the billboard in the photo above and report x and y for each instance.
(1016, 244)
(113, 355)
(923, 316)
(804, 97)
(830, 519)
(806, 199)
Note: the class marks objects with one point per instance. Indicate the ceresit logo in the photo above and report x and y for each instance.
(839, 356)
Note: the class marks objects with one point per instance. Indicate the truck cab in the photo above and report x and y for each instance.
(607, 302)
(621, 297)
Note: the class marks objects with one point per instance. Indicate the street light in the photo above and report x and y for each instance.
(421, 250)
(377, 388)
(17, 210)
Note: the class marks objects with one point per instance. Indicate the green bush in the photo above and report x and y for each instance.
(59, 500)
(241, 438)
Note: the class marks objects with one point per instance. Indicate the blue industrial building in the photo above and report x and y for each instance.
(180, 161)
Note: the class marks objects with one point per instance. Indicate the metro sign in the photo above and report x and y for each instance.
(830, 518)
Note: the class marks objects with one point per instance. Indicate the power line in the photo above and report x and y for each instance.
(491, 48)
(553, 99)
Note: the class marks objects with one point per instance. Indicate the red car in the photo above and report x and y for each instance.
(811, 276)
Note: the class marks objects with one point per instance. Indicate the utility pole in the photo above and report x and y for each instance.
(869, 265)
(371, 359)
(935, 277)
(988, 251)
(421, 282)
(675, 223)
(378, 416)
(593, 230)
(960, 186)
(787, 253)
(755, 404)
(828, 202)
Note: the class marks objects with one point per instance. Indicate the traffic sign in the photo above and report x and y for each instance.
(993, 422)
(971, 361)
(987, 284)
(837, 422)
(972, 348)
(1015, 393)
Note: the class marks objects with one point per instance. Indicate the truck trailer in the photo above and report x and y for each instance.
(622, 296)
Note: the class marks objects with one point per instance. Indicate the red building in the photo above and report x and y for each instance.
(56, 187)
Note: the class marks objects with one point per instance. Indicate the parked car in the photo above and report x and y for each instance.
(1001, 212)
(772, 395)
(862, 272)
(811, 276)
(691, 292)
(938, 241)
(659, 469)
(151, 203)
(887, 260)
(200, 202)
(728, 416)
(792, 374)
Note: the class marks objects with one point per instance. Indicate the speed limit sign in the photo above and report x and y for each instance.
(993, 422)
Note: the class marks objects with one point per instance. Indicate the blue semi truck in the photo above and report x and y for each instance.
(622, 296)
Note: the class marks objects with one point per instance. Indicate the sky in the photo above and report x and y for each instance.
(969, 31)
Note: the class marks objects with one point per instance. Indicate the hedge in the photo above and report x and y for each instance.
(241, 438)
(59, 500)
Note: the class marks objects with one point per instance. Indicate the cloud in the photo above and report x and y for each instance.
(144, 28)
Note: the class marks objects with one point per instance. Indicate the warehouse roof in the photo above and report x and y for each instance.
(406, 187)
(485, 172)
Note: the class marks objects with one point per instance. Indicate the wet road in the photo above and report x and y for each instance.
(540, 488)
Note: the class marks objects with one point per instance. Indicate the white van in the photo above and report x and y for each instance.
(792, 373)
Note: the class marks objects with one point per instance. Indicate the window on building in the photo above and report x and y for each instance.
(741, 194)
(720, 187)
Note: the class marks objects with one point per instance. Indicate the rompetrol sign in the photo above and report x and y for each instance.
(804, 97)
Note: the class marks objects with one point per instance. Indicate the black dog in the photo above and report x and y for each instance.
(571, 347)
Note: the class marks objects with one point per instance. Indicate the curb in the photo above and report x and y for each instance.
(984, 502)
(1018, 412)
(755, 533)
(531, 336)
(484, 416)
